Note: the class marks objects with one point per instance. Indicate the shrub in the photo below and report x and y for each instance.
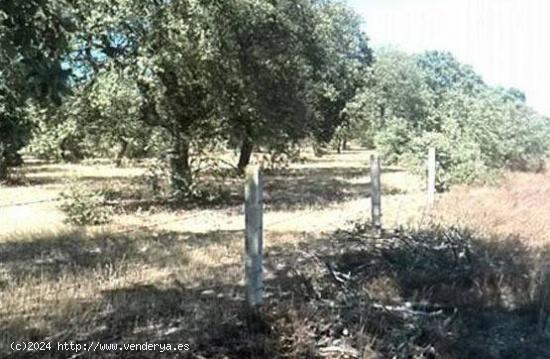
(393, 138)
(155, 179)
(85, 207)
(207, 185)
(459, 160)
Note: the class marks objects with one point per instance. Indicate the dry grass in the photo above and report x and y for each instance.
(174, 275)
(159, 274)
(518, 206)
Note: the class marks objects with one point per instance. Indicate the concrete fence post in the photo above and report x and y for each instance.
(431, 176)
(254, 236)
(376, 195)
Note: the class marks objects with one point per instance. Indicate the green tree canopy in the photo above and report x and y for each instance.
(412, 102)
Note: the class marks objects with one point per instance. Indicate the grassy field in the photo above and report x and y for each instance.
(518, 206)
(175, 275)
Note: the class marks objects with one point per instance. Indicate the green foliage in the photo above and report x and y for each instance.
(340, 68)
(34, 36)
(392, 141)
(279, 159)
(270, 73)
(167, 77)
(444, 73)
(266, 64)
(14, 132)
(413, 102)
(56, 134)
(83, 206)
(206, 187)
(100, 119)
(458, 160)
(264, 74)
(155, 179)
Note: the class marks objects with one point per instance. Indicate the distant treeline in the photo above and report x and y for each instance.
(412, 102)
(179, 79)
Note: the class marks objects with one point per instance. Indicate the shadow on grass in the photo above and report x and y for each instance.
(212, 325)
(49, 256)
(208, 315)
(318, 187)
(292, 189)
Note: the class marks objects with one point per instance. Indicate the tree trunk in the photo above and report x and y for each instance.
(121, 152)
(180, 170)
(3, 168)
(345, 144)
(63, 150)
(70, 150)
(318, 150)
(246, 153)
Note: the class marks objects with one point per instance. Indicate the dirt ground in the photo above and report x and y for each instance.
(322, 194)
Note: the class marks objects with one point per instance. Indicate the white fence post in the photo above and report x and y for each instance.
(376, 194)
(254, 236)
(431, 176)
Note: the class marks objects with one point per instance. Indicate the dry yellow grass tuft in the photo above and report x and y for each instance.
(518, 206)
